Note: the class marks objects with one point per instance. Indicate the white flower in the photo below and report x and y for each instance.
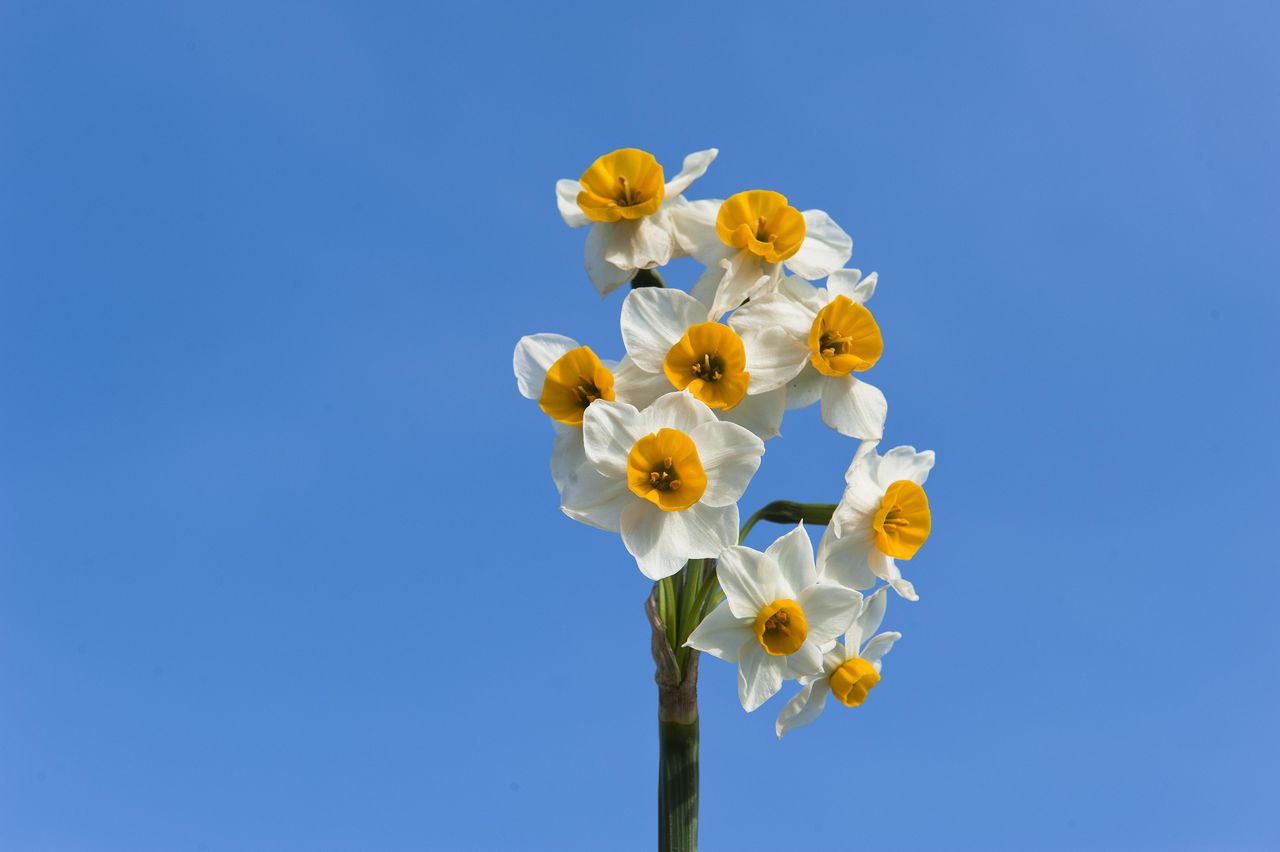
(741, 377)
(775, 620)
(565, 378)
(849, 670)
(747, 239)
(668, 478)
(882, 516)
(623, 198)
(829, 335)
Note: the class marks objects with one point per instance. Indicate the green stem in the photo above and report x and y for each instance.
(751, 522)
(647, 278)
(678, 786)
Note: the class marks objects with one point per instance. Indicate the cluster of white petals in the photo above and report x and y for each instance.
(660, 445)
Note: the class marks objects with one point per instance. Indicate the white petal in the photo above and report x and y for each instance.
(535, 353)
(806, 661)
(640, 243)
(794, 554)
(878, 647)
(567, 200)
(758, 413)
(745, 276)
(854, 408)
(604, 275)
(595, 500)
(774, 357)
(868, 620)
(804, 708)
(694, 226)
(759, 675)
(695, 166)
(904, 463)
(704, 288)
(829, 610)
(653, 320)
(825, 249)
(805, 389)
(662, 542)
(865, 462)
(812, 299)
(676, 410)
(638, 387)
(721, 634)
(851, 284)
(835, 656)
(857, 507)
(609, 431)
(775, 311)
(749, 579)
(886, 569)
(731, 456)
(845, 560)
(567, 454)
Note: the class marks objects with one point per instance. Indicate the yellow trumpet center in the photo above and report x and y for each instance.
(625, 184)
(902, 522)
(853, 680)
(710, 361)
(664, 468)
(844, 337)
(761, 222)
(574, 381)
(781, 627)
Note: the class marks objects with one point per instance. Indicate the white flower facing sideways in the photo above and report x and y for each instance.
(747, 239)
(742, 377)
(565, 378)
(882, 516)
(849, 670)
(625, 200)
(776, 620)
(820, 339)
(668, 478)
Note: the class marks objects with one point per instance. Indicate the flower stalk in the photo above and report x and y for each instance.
(677, 678)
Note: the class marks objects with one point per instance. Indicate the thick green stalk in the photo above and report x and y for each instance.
(677, 735)
(678, 786)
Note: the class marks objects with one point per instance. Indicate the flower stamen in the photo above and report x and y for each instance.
(710, 362)
(574, 381)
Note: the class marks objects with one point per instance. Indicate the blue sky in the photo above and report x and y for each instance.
(281, 567)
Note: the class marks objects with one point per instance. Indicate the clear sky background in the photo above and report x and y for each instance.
(281, 566)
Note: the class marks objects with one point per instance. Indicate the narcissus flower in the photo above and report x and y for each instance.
(775, 620)
(627, 203)
(741, 377)
(747, 239)
(882, 516)
(565, 378)
(668, 478)
(822, 337)
(849, 670)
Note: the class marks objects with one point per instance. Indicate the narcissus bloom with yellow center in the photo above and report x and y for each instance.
(882, 516)
(821, 339)
(761, 222)
(565, 378)
(666, 333)
(849, 670)
(776, 619)
(748, 239)
(625, 184)
(622, 196)
(668, 478)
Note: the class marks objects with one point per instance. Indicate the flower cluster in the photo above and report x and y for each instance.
(660, 445)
